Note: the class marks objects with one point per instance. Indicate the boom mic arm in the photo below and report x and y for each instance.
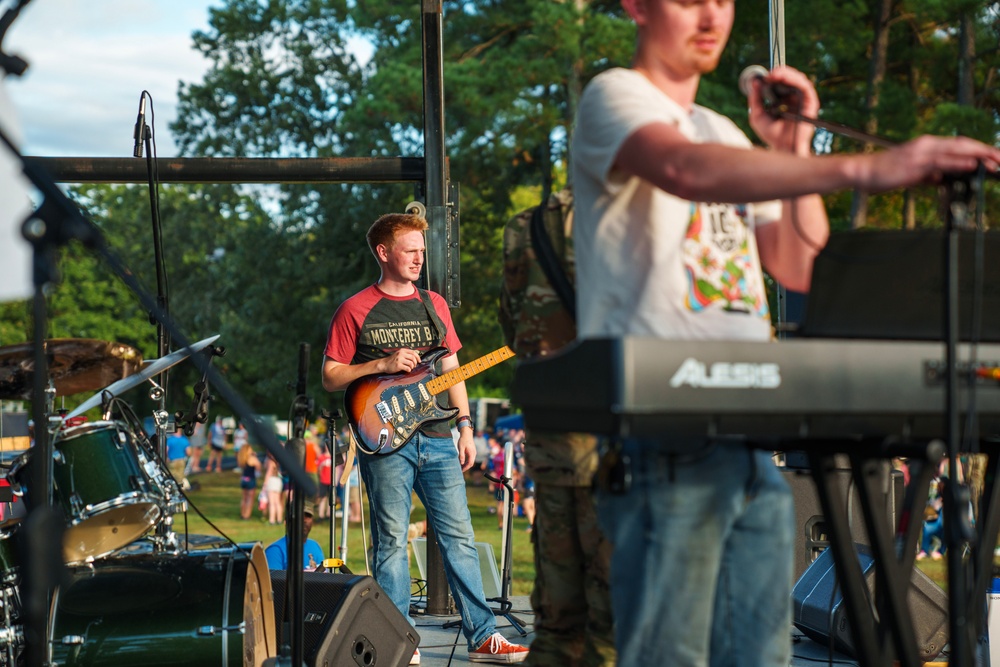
(199, 407)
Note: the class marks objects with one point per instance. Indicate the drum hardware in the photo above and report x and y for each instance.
(11, 631)
(11, 636)
(11, 604)
(12, 641)
(150, 370)
(212, 631)
(175, 507)
(73, 640)
(164, 420)
(199, 406)
(76, 504)
(156, 392)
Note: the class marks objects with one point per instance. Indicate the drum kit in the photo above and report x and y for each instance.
(132, 595)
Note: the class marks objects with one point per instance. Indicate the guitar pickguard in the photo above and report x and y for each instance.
(412, 407)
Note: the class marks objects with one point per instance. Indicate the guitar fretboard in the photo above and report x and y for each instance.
(447, 380)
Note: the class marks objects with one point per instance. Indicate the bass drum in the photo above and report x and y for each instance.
(210, 607)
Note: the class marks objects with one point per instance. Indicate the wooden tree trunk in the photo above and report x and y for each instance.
(574, 89)
(876, 75)
(966, 58)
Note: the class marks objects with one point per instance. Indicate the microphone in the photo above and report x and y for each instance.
(777, 97)
(140, 124)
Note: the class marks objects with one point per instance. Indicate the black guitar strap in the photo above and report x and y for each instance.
(432, 316)
(549, 261)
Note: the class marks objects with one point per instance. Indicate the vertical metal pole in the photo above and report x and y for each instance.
(345, 514)
(961, 627)
(163, 301)
(440, 265)
(776, 16)
(436, 192)
(776, 24)
(508, 472)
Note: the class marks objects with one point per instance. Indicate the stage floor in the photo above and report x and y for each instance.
(442, 646)
(445, 647)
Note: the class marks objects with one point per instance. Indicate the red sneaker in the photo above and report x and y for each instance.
(499, 651)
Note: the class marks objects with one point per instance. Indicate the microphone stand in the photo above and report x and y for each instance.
(47, 229)
(335, 456)
(144, 137)
(507, 558)
(506, 555)
(40, 548)
(293, 646)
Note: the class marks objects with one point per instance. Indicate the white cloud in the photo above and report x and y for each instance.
(89, 62)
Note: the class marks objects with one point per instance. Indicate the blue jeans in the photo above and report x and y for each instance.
(702, 563)
(932, 529)
(430, 467)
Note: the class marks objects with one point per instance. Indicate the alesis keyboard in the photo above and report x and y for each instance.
(794, 389)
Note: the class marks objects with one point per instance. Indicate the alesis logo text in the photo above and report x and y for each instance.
(726, 375)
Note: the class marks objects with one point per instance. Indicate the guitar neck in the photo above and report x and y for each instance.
(447, 380)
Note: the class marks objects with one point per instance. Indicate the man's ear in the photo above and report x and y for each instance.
(382, 252)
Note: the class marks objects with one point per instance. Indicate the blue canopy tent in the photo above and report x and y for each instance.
(508, 422)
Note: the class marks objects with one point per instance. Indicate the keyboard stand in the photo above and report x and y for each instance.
(883, 630)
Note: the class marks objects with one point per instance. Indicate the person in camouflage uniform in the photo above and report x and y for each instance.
(570, 598)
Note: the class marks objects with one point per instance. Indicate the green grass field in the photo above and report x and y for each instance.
(218, 498)
(219, 494)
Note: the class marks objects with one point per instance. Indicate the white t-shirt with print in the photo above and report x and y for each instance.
(649, 263)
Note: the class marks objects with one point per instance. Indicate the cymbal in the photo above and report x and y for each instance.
(152, 369)
(75, 365)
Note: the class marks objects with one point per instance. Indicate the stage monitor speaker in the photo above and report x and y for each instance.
(349, 620)
(819, 613)
(811, 533)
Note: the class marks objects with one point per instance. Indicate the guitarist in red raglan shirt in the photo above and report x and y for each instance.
(382, 330)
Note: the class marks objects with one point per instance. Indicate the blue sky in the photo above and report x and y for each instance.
(89, 62)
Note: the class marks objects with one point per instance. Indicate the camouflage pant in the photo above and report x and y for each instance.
(572, 606)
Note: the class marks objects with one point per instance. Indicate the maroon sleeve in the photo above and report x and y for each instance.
(451, 340)
(342, 338)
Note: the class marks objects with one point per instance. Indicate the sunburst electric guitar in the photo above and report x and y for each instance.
(384, 411)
